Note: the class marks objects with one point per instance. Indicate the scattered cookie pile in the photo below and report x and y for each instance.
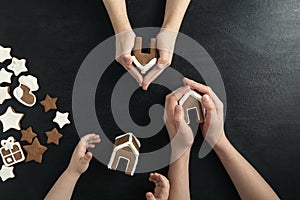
(11, 151)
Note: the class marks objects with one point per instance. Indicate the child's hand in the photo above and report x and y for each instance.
(175, 123)
(162, 187)
(213, 128)
(81, 158)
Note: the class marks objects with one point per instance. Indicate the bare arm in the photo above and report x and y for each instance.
(118, 15)
(174, 13)
(182, 138)
(64, 186)
(247, 181)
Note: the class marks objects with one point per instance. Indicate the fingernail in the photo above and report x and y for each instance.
(145, 87)
(160, 66)
(177, 108)
(206, 98)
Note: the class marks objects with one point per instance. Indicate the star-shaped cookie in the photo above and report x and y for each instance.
(17, 66)
(61, 119)
(4, 94)
(53, 136)
(35, 151)
(28, 135)
(49, 103)
(5, 76)
(6, 173)
(11, 119)
(4, 54)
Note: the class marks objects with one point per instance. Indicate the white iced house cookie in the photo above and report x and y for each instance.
(61, 119)
(6, 173)
(23, 93)
(5, 76)
(127, 147)
(17, 66)
(4, 94)
(4, 54)
(11, 119)
(144, 68)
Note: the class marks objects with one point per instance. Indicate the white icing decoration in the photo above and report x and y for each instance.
(61, 119)
(4, 54)
(144, 68)
(10, 119)
(5, 76)
(4, 94)
(17, 66)
(6, 173)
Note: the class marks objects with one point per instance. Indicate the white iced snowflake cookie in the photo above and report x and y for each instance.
(11, 119)
(17, 66)
(4, 54)
(61, 119)
(23, 93)
(5, 76)
(4, 94)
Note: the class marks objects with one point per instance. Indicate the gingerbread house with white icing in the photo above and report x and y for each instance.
(192, 100)
(127, 147)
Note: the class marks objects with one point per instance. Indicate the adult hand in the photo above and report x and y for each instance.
(165, 40)
(162, 187)
(213, 127)
(81, 158)
(124, 45)
(180, 133)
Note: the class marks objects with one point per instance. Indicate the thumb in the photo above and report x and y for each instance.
(178, 115)
(150, 196)
(208, 104)
(87, 158)
(128, 59)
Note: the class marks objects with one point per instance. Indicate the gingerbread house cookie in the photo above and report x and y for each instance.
(144, 61)
(127, 147)
(192, 100)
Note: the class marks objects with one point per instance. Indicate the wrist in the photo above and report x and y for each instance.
(221, 144)
(122, 26)
(72, 173)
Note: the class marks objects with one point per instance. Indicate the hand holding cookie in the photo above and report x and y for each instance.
(124, 45)
(81, 158)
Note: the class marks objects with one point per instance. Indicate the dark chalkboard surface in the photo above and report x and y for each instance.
(255, 45)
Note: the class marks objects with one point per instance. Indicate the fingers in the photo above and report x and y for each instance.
(196, 86)
(159, 180)
(172, 99)
(87, 158)
(208, 105)
(163, 62)
(89, 141)
(178, 115)
(136, 74)
(150, 196)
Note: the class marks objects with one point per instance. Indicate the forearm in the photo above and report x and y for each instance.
(118, 15)
(179, 178)
(247, 181)
(64, 186)
(174, 13)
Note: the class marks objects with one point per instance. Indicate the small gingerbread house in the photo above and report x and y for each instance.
(192, 100)
(127, 147)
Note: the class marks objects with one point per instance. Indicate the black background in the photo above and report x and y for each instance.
(255, 45)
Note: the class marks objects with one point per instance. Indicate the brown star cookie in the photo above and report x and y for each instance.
(49, 103)
(35, 151)
(28, 135)
(53, 136)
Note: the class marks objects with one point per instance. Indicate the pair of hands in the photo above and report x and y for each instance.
(81, 158)
(165, 44)
(212, 128)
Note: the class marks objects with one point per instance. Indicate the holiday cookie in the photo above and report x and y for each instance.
(11, 119)
(4, 94)
(35, 151)
(11, 152)
(6, 173)
(5, 76)
(61, 119)
(53, 136)
(4, 54)
(192, 100)
(144, 61)
(23, 93)
(49, 103)
(17, 66)
(28, 135)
